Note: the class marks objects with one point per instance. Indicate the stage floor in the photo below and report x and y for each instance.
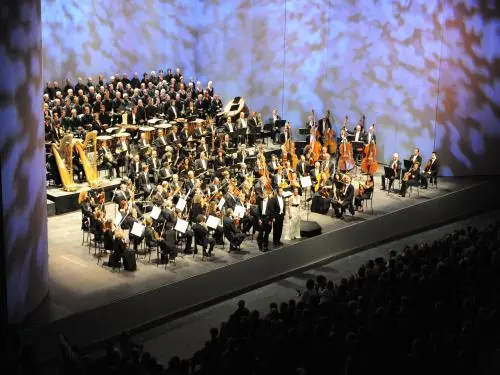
(78, 283)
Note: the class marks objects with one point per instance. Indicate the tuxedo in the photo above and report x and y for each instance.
(144, 183)
(347, 195)
(172, 113)
(133, 119)
(134, 169)
(414, 159)
(359, 137)
(154, 167)
(265, 216)
(279, 216)
(323, 125)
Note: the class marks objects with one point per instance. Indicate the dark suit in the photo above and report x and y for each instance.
(278, 216)
(302, 168)
(346, 202)
(230, 201)
(430, 174)
(143, 183)
(396, 175)
(201, 237)
(234, 236)
(265, 216)
(171, 114)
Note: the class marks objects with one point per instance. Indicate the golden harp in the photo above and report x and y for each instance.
(88, 156)
(63, 153)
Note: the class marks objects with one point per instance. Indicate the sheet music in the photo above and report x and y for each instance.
(181, 225)
(137, 229)
(239, 211)
(181, 204)
(118, 218)
(221, 203)
(287, 194)
(155, 212)
(213, 222)
(305, 181)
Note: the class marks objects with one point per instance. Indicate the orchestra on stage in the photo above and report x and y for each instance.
(195, 172)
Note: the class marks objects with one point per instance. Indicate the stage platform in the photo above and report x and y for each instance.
(90, 303)
(67, 201)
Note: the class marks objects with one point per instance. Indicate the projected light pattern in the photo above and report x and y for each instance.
(395, 61)
(404, 64)
(22, 152)
(91, 37)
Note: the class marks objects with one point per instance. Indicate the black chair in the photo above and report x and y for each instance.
(86, 226)
(369, 198)
(198, 240)
(97, 239)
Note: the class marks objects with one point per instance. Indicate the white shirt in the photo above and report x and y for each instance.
(124, 146)
(204, 164)
(356, 138)
(369, 137)
(133, 118)
(264, 206)
(243, 123)
(175, 112)
(154, 163)
(162, 139)
(230, 125)
(280, 202)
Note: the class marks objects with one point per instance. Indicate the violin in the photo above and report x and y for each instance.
(411, 171)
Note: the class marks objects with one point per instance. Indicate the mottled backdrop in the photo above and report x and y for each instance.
(89, 37)
(426, 71)
(22, 159)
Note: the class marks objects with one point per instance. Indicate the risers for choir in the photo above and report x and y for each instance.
(67, 201)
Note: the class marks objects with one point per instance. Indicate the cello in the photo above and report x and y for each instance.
(346, 160)
(369, 163)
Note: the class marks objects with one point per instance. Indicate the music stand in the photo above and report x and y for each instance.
(407, 164)
(389, 174)
(305, 182)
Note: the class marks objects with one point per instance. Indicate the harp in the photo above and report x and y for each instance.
(88, 156)
(63, 153)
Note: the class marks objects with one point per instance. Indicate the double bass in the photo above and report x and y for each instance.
(369, 163)
(346, 160)
(290, 148)
(330, 141)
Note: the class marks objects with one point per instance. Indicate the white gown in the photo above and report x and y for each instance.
(292, 229)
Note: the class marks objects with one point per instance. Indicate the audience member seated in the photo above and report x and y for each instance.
(431, 308)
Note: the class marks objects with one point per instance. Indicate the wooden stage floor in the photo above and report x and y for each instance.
(78, 283)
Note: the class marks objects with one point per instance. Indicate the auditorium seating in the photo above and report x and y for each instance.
(430, 308)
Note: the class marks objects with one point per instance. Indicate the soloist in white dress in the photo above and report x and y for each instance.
(292, 229)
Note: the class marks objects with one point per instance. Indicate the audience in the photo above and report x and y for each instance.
(431, 308)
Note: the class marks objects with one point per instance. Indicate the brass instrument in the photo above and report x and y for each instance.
(63, 153)
(88, 156)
